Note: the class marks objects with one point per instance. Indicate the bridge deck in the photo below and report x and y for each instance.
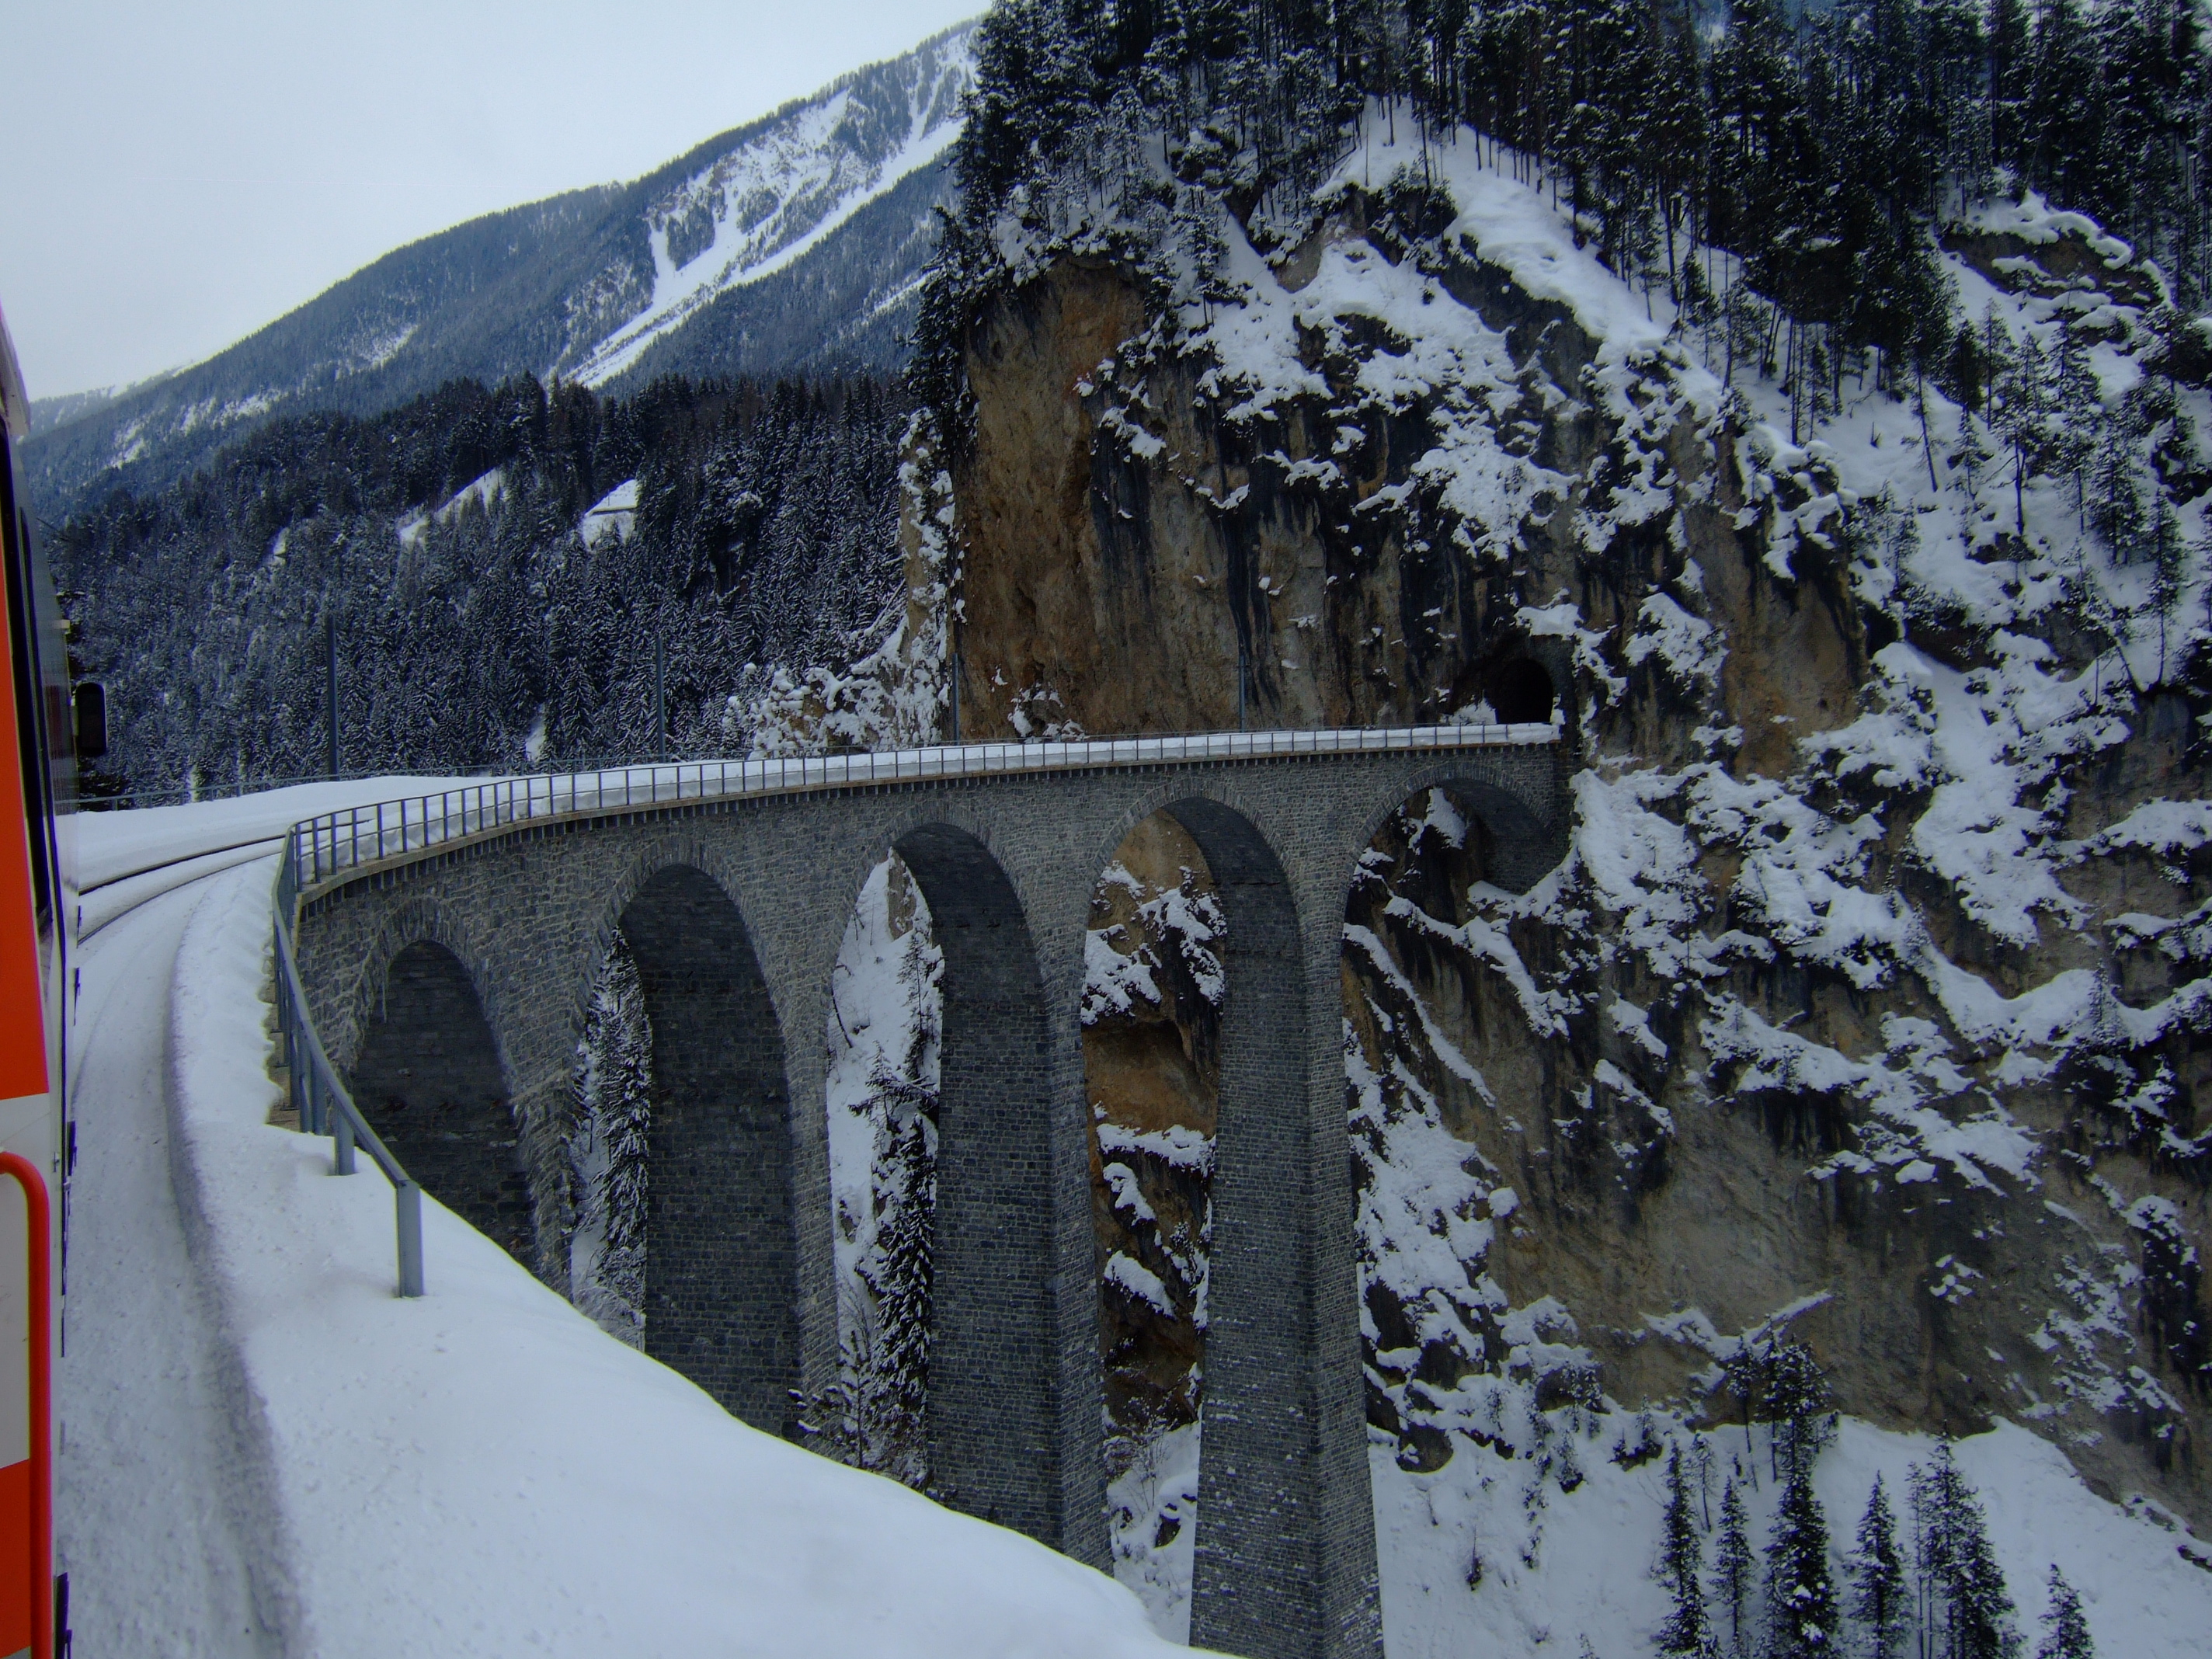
(346, 842)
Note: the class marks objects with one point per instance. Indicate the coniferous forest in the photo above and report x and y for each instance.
(1816, 151)
(483, 616)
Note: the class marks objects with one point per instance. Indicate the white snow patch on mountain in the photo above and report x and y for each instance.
(485, 492)
(773, 200)
(613, 513)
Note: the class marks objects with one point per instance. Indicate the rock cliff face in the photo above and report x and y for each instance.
(1131, 549)
(1865, 1004)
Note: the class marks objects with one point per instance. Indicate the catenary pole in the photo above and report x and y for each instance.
(660, 700)
(330, 682)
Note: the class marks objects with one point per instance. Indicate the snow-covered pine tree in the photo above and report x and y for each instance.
(2116, 505)
(1732, 1567)
(1802, 1617)
(1880, 1599)
(2065, 1629)
(1681, 1561)
(1982, 1608)
(1965, 1609)
(900, 1271)
(608, 1155)
(2024, 419)
(1744, 1375)
(626, 1110)
(2080, 411)
(2169, 576)
(1798, 1401)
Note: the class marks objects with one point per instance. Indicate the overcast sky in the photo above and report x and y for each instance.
(172, 174)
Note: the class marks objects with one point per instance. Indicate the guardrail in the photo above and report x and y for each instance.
(323, 848)
(320, 1095)
(326, 846)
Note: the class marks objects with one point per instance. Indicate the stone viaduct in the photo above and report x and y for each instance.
(461, 973)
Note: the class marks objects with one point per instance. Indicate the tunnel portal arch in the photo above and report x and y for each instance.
(721, 1263)
(429, 1081)
(1520, 692)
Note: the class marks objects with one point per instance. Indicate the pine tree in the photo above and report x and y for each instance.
(2079, 413)
(2023, 421)
(1962, 1590)
(2065, 1629)
(1732, 1564)
(1802, 1622)
(1879, 1593)
(2169, 570)
(2116, 510)
(609, 1152)
(1744, 1373)
(1680, 1564)
(625, 1110)
(1797, 1399)
(1982, 1605)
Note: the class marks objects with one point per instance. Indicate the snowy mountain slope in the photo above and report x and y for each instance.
(792, 242)
(1867, 1004)
(761, 206)
(480, 1472)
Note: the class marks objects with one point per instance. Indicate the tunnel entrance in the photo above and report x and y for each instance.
(720, 1280)
(1521, 693)
(429, 1082)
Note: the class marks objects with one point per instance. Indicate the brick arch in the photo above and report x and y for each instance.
(412, 922)
(1528, 842)
(1291, 845)
(964, 812)
(663, 852)
(993, 1409)
(428, 1076)
(722, 1284)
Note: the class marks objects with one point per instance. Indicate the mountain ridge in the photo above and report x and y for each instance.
(819, 211)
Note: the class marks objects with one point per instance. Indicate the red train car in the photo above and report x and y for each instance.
(37, 914)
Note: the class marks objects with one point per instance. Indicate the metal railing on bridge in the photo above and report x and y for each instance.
(320, 1095)
(326, 848)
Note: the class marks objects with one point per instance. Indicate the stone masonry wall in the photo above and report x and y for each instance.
(1287, 1561)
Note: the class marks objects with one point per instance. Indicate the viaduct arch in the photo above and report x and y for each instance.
(735, 909)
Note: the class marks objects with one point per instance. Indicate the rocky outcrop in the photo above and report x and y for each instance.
(1776, 1045)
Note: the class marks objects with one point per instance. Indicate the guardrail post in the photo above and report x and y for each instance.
(407, 1204)
(342, 1143)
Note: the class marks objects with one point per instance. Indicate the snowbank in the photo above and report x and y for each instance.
(482, 1471)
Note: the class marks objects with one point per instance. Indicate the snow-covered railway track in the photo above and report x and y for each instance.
(108, 902)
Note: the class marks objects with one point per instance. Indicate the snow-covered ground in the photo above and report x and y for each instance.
(264, 1445)
(264, 1450)
(1560, 1569)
